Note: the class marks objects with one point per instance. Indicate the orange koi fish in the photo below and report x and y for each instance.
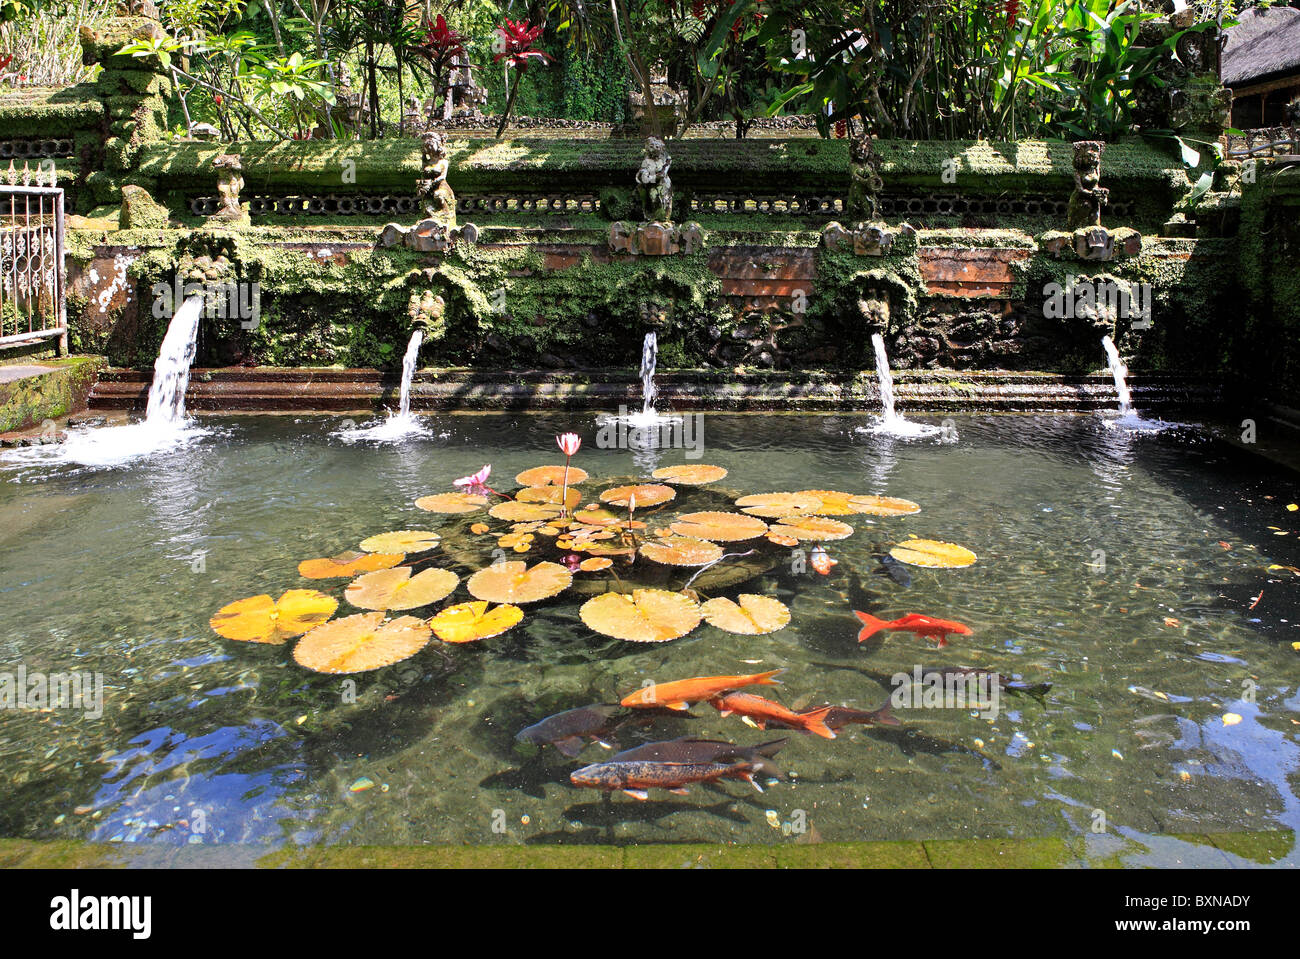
(763, 711)
(822, 562)
(917, 623)
(683, 692)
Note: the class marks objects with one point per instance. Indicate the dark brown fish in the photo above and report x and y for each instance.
(1010, 685)
(635, 778)
(837, 717)
(567, 731)
(688, 750)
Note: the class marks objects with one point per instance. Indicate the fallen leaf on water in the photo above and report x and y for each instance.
(1170, 621)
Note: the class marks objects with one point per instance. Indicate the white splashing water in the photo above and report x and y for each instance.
(649, 416)
(1118, 371)
(165, 426)
(1128, 418)
(649, 360)
(403, 423)
(890, 423)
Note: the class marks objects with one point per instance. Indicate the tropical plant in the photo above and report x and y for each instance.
(513, 45)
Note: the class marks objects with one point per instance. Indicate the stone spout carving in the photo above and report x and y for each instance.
(230, 181)
(654, 184)
(865, 181)
(426, 310)
(865, 239)
(1088, 197)
(655, 239)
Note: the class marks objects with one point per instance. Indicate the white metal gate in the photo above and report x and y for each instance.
(32, 306)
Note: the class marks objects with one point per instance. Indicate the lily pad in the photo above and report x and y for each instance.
(883, 506)
(753, 615)
(681, 551)
(452, 502)
(348, 564)
(469, 622)
(261, 619)
(719, 527)
(780, 505)
(645, 616)
(402, 541)
(550, 476)
(813, 528)
(933, 554)
(516, 582)
(647, 494)
(515, 511)
(691, 474)
(355, 644)
(398, 589)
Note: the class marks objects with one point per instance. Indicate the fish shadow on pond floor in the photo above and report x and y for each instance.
(608, 812)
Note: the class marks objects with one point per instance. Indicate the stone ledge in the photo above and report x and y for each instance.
(1265, 847)
(343, 390)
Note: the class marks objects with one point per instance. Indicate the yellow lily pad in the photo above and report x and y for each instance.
(645, 616)
(753, 615)
(469, 622)
(261, 619)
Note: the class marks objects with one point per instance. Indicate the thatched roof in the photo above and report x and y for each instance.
(1265, 44)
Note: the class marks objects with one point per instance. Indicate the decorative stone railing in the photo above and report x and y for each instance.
(37, 149)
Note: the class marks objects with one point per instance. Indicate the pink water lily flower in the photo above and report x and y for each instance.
(569, 443)
(476, 483)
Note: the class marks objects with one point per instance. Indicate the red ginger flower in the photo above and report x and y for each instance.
(517, 46)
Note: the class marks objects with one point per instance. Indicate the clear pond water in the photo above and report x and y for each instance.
(1104, 570)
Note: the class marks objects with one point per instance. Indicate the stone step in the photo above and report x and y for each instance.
(340, 390)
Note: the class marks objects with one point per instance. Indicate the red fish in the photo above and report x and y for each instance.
(763, 711)
(917, 623)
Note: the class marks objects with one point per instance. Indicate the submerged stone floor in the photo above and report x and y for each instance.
(1216, 850)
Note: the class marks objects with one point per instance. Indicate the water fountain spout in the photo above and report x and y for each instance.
(890, 422)
(649, 359)
(1128, 419)
(1118, 372)
(402, 424)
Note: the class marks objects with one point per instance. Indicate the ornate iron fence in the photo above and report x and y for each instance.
(32, 305)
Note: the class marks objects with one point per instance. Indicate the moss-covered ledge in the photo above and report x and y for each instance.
(1132, 168)
(1243, 849)
(62, 390)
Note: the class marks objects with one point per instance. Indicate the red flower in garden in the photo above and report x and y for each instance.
(440, 41)
(1011, 8)
(699, 9)
(516, 44)
(841, 129)
(5, 61)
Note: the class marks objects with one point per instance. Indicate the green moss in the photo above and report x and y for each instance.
(28, 401)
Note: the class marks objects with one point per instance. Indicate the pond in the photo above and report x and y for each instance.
(1137, 585)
